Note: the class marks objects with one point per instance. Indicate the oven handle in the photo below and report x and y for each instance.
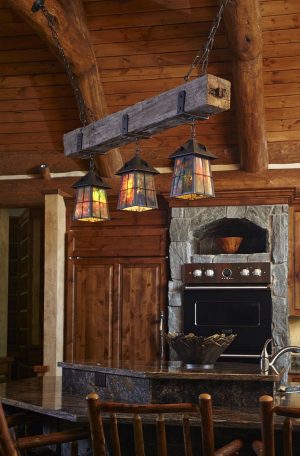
(255, 287)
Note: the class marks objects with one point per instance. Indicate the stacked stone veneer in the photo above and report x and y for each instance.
(185, 225)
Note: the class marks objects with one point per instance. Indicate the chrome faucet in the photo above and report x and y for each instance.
(267, 361)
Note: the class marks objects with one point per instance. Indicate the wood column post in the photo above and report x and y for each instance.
(4, 252)
(243, 23)
(55, 229)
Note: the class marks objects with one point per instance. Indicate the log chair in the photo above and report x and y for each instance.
(208, 439)
(266, 447)
(134, 413)
(11, 447)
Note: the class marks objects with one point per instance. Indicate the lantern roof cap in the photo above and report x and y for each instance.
(193, 147)
(136, 164)
(91, 179)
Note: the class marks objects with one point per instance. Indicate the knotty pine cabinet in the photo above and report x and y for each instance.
(115, 309)
(294, 261)
(114, 303)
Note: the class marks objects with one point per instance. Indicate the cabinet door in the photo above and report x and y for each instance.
(142, 298)
(90, 311)
(113, 309)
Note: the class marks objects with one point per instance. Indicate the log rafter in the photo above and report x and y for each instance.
(73, 35)
(243, 24)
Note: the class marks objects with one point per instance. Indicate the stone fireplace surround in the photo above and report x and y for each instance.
(187, 234)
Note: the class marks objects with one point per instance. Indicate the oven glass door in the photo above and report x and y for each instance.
(246, 312)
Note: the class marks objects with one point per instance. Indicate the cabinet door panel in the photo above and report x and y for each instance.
(93, 309)
(141, 295)
(113, 309)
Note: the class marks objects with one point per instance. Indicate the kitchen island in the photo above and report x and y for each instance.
(46, 398)
(234, 385)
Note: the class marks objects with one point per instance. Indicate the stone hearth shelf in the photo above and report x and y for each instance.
(234, 385)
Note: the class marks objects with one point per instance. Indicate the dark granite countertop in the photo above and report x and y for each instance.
(295, 364)
(175, 369)
(44, 395)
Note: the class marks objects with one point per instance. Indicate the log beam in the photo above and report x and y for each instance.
(73, 35)
(199, 98)
(243, 23)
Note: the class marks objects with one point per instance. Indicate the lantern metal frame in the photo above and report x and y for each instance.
(137, 191)
(195, 180)
(93, 191)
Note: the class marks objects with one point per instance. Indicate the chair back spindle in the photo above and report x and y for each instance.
(13, 447)
(268, 411)
(135, 412)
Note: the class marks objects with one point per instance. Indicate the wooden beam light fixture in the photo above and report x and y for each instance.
(197, 99)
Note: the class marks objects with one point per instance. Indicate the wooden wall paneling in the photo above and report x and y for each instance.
(281, 152)
(74, 38)
(113, 241)
(32, 98)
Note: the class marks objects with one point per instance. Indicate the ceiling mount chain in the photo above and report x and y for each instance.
(202, 55)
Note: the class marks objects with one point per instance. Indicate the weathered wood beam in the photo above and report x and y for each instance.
(203, 97)
(74, 38)
(243, 23)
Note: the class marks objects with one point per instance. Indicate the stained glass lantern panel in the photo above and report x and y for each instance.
(137, 192)
(192, 178)
(91, 204)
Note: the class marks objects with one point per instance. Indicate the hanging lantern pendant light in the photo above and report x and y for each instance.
(192, 177)
(91, 199)
(137, 191)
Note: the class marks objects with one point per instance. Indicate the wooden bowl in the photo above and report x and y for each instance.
(229, 244)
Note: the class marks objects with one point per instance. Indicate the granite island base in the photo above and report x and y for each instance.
(234, 385)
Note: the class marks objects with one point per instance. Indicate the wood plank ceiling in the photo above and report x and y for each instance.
(143, 47)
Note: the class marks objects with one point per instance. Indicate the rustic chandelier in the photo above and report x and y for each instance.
(192, 178)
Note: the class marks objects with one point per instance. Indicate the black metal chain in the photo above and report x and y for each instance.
(137, 147)
(83, 109)
(202, 55)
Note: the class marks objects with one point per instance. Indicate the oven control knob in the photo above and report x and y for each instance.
(245, 272)
(197, 273)
(257, 272)
(209, 273)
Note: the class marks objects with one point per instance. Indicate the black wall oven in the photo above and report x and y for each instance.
(231, 299)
